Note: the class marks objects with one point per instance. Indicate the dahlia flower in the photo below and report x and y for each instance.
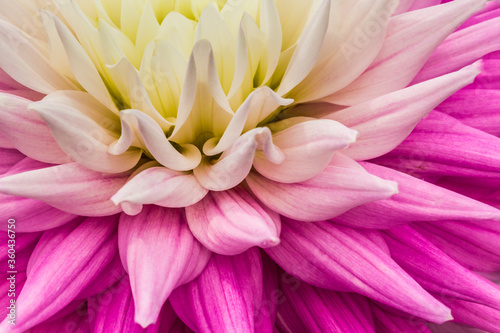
(250, 166)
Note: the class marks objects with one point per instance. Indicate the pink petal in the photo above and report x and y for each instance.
(159, 186)
(236, 162)
(437, 272)
(5, 143)
(34, 138)
(411, 38)
(85, 140)
(340, 187)
(462, 48)
(417, 200)
(383, 123)
(224, 297)
(308, 148)
(32, 215)
(440, 145)
(272, 295)
(83, 252)
(114, 311)
(310, 309)
(340, 258)
(231, 222)
(68, 187)
(159, 253)
(76, 322)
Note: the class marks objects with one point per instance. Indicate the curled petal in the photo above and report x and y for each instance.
(68, 187)
(225, 295)
(236, 162)
(141, 130)
(230, 222)
(339, 258)
(308, 148)
(344, 184)
(83, 139)
(159, 186)
(159, 253)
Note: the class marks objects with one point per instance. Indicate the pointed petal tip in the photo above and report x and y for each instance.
(145, 318)
(273, 241)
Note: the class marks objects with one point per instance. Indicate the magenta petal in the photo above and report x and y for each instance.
(340, 187)
(159, 253)
(8, 158)
(473, 245)
(83, 252)
(225, 295)
(473, 314)
(417, 200)
(309, 309)
(77, 322)
(232, 221)
(267, 310)
(390, 323)
(340, 258)
(437, 272)
(110, 275)
(69, 187)
(114, 311)
(440, 145)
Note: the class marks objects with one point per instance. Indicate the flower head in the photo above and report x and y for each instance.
(152, 147)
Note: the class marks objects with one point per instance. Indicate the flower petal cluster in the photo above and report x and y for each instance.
(251, 166)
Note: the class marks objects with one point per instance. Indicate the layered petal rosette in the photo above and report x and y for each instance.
(250, 165)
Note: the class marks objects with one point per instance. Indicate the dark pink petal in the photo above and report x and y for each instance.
(386, 121)
(388, 322)
(440, 145)
(473, 314)
(411, 39)
(225, 295)
(437, 272)
(169, 322)
(33, 138)
(309, 309)
(114, 311)
(340, 187)
(344, 259)
(77, 322)
(417, 200)
(451, 327)
(477, 108)
(159, 253)
(110, 275)
(473, 245)
(8, 158)
(267, 310)
(32, 215)
(462, 48)
(232, 221)
(56, 276)
(22, 241)
(69, 187)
